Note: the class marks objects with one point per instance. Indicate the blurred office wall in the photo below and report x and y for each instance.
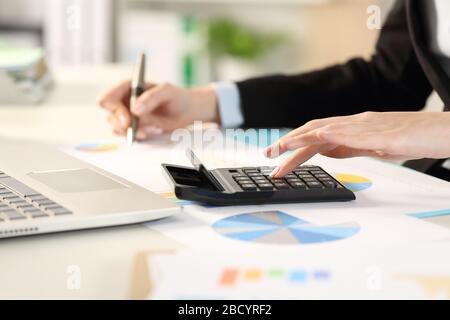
(78, 31)
(317, 32)
(338, 31)
(21, 21)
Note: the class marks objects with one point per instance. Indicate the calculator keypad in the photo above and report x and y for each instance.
(303, 177)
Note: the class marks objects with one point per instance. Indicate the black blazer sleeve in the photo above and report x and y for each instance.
(392, 80)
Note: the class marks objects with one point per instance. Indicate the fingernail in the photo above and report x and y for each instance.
(273, 151)
(274, 172)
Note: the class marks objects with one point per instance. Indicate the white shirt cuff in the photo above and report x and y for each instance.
(229, 104)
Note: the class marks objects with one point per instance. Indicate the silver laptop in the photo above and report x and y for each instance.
(44, 190)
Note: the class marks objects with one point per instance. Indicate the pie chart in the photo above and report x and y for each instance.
(276, 227)
(96, 147)
(354, 183)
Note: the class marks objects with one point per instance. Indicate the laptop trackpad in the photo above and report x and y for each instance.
(76, 180)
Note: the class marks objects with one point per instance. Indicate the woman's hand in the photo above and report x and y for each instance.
(161, 108)
(389, 135)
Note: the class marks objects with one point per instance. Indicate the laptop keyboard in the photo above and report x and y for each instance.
(19, 202)
(304, 177)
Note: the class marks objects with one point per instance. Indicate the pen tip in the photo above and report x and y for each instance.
(130, 137)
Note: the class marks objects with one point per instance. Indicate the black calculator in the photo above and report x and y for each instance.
(253, 185)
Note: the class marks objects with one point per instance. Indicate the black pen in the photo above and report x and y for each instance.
(137, 88)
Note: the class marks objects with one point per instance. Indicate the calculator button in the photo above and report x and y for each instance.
(245, 182)
(296, 180)
(310, 180)
(322, 176)
(255, 174)
(298, 185)
(249, 187)
(290, 176)
(265, 186)
(244, 178)
(329, 184)
(258, 176)
(314, 185)
(276, 180)
(258, 182)
(263, 183)
(259, 179)
(281, 186)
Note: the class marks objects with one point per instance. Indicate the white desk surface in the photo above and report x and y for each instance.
(37, 267)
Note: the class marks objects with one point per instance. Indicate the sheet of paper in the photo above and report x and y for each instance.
(386, 194)
(392, 203)
(418, 272)
(376, 183)
(294, 228)
(140, 163)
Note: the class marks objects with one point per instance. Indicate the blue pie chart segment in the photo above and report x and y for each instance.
(276, 227)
